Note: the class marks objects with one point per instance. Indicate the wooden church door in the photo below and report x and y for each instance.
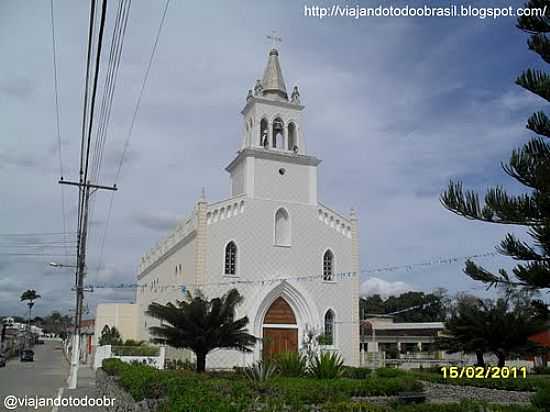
(280, 331)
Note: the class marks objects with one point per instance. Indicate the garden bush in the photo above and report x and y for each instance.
(112, 366)
(390, 372)
(327, 365)
(541, 399)
(356, 373)
(141, 350)
(291, 364)
(315, 391)
(230, 392)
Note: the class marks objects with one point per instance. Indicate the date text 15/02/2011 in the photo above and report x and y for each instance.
(479, 372)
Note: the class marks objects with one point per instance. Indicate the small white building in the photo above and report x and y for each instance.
(294, 260)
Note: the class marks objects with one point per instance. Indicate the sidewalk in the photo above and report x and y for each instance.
(85, 388)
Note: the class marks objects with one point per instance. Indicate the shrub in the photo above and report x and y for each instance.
(318, 391)
(542, 370)
(291, 364)
(356, 373)
(142, 350)
(260, 373)
(185, 364)
(112, 366)
(390, 372)
(327, 365)
(541, 399)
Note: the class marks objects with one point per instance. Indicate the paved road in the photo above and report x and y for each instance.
(41, 378)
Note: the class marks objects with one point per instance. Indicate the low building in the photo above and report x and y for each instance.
(123, 316)
(395, 339)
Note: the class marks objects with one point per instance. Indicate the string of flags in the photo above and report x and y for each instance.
(183, 288)
(432, 262)
(338, 276)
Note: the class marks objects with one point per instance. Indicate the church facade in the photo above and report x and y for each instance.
(294, 260)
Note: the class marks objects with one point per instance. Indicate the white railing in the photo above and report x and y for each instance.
(224, 209)
(335, 220)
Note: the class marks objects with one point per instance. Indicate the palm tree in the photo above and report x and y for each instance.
(202, 325)
(31, 296)
(500, 327)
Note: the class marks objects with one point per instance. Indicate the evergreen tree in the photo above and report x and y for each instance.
(110, 336)
(502, 328)
(530, 166)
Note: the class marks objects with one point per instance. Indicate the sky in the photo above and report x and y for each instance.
(395, 108)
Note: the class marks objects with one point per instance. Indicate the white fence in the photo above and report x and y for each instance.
(106, 352)
(426, 360)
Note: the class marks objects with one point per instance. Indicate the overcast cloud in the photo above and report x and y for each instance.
(394, 108)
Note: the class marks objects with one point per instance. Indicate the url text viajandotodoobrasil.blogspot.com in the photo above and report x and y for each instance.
(452, 10)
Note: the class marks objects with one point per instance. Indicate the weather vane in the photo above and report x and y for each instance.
(274, 39)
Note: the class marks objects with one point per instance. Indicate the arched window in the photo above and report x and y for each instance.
(328, 265)
(292, 141)
(263, 133)
(278, 133)
(282, 228)
(231, 258)
(329, 328)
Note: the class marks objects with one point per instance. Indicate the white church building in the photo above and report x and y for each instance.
(295, 260)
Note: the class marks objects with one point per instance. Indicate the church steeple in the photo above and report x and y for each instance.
(272, 162)
(273, 83)
(272, 121)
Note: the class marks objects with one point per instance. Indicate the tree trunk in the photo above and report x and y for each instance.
(501, 359)
(480, 359)
(201, 362)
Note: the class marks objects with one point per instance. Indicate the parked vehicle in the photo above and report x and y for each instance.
(27, 355)
(2, 361)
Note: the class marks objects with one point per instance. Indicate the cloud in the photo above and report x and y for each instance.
(160, 222)
(18, 87)
(391, 119)
(384, 288)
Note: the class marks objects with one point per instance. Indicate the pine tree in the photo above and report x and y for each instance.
(530, 166)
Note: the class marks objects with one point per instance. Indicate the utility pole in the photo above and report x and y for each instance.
(88, 189)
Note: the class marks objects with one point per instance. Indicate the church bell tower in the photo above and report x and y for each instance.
(272, 162)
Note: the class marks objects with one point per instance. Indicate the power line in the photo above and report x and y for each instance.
(138, 104)
(37, 234)
(35, 254)
(59, 143)
(117, 42)
(131, 128)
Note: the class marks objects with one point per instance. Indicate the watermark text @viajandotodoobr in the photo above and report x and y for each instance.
(12, 402)
(452, 10)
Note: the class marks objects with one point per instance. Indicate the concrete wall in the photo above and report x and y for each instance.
(123, 316)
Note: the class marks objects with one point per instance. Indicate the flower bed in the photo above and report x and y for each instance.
(187, 391)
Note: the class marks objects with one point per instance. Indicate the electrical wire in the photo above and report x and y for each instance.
(131, 128)
(57, 121)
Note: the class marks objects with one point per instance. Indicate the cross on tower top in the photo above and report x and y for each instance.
(274, 39)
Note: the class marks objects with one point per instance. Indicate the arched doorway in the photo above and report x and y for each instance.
(280, 331)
